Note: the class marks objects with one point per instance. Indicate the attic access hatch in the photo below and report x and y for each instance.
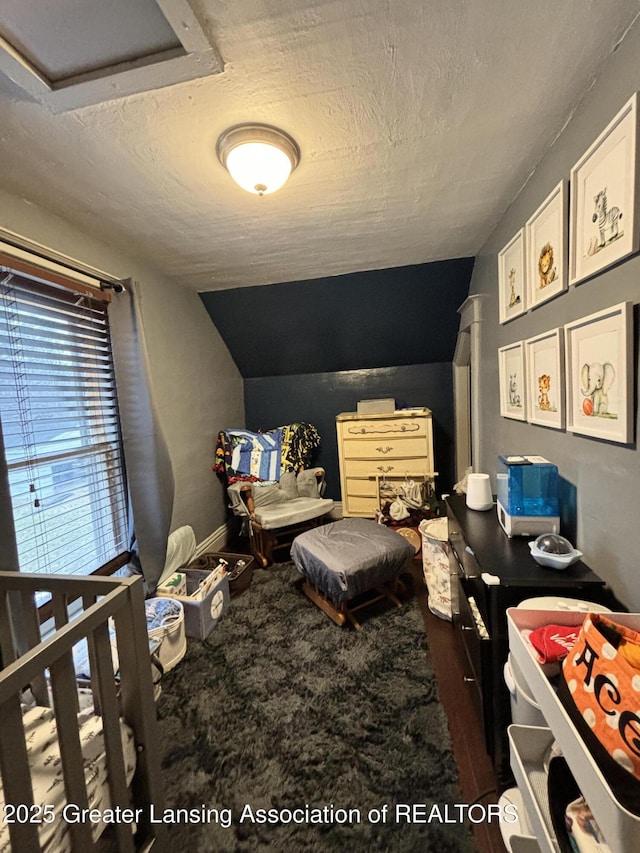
(72, 53)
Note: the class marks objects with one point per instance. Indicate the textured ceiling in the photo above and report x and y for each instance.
(418, 124)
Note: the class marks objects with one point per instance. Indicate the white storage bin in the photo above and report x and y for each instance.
(524, 844)
(525, 711)
(514, 833)
(205, 601)
(620, 827)
(553, 602)
(529, 747)
(165, 624)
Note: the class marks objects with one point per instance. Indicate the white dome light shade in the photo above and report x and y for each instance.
(258, 157)
(258, 167)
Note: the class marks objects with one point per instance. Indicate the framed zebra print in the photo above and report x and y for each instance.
(604, 220)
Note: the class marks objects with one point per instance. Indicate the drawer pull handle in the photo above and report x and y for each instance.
(384, 469)
(468, 680)
(467, 628)
(384, 449)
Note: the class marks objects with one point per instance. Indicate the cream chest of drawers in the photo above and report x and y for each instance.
(377, 448)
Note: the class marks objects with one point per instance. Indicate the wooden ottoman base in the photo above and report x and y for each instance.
(344, 611)
(349, 564)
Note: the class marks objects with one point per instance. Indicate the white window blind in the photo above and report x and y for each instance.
(60, 427)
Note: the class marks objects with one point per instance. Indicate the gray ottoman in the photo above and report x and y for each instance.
(345, 559)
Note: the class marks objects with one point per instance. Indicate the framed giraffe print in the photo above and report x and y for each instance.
(544, 359)
(604, 221)
(512, 381)
(546, 239)
(512, 282)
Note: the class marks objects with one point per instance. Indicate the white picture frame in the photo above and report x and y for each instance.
(513, 399)
(544, 359)
(599, 374)
(512, 282)
(546, 241)
(604, 221)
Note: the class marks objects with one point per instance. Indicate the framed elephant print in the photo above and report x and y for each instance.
(544, 359)
(605, 196)
(598, 356)
(512, 381)
(512, 282)
(546, 240)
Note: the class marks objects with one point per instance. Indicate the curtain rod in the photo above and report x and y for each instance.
(46, 254)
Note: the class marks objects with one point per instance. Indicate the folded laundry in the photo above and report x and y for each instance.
(553, 642)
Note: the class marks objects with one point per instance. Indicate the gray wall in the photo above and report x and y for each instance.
(606, 476)
(197, 385)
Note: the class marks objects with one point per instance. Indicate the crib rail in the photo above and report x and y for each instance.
(82, 608)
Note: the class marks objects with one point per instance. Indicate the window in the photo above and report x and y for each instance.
(60, 425)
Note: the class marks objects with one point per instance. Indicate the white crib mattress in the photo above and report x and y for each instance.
(46, 772)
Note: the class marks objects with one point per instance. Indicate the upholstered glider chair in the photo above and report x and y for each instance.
(278, 511)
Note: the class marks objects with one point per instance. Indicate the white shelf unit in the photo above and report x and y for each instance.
(524, 844)
(529, 745)
(620, 827)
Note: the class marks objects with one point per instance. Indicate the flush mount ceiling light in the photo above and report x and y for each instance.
(258, 157)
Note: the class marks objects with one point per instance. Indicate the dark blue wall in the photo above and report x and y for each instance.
(380, 318)
(309, 350)
(319, 397)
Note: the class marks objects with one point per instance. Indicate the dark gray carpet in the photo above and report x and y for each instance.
(281, 709)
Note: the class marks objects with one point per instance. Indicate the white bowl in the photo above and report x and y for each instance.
(554, 561)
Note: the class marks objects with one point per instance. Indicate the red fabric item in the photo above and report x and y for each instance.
(553, 642)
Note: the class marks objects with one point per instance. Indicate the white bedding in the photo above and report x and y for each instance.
(46, 770)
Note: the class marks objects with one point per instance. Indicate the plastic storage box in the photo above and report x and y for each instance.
(620, 827)
(206, 600)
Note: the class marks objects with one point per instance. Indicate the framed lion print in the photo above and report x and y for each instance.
(604, 215)
(544, 358)
(512, 293)
(546, 241)
(512, 381)
(599, 374)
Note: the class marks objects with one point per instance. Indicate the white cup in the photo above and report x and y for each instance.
(479, 492)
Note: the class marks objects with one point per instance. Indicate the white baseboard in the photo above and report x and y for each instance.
(216, 541)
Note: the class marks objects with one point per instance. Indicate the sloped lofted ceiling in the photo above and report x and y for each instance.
(418, 124)
(382, 318)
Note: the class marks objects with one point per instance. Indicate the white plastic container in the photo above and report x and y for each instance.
(529, 747)
(620, 827)
(514, 834)
(525, 711)
(166, 615)
(564, 605)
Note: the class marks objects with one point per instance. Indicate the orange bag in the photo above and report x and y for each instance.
(600, 688)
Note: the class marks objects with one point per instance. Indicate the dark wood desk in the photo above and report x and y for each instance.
(489, 573)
